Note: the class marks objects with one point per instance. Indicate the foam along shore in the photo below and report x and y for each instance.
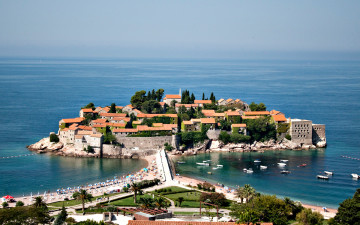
(230, 194)
(104, 186)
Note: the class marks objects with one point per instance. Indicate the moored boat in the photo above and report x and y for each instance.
(284, 160)
(322, 177)
(354, 175)
(285, 172)
(263, 167)
(219, 165)
(180, 162)
(302, 165)
(249, 171)
(281, 164)
(203, 164)
(329, 173)
(257, 161)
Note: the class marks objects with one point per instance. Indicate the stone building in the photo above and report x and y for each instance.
(169, 98)
(318, 133)
(301, 131)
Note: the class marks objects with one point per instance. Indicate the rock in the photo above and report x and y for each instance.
(321, 144)
(215, 144)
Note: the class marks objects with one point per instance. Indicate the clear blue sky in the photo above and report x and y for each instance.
(186, 28)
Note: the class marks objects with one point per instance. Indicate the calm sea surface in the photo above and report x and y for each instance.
(36, 93)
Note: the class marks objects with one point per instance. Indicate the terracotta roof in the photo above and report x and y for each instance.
(73, 127)
(65, 129)
(279, 118)
(138, 111)
(220, 100)
(126, 119)
(99, 121)
(129, 106)
(157, 124)
(79, 136)
(229, 100)
(232, 113)
(170, 125)
(113, 114)
(162, 103)
(106, 109)
(97, 109)
(173, 96)
(156, 115)
(73, 120)
(146, 128)
(158, 222)
(203, 101)
(250, 117)
(188, 122)
(238, 100)
(257, 113)
(275, 112)
(82, 127)
(136, 122)
(186, 105)
(84, 132)
(238, 125)
(128, 130)
(208, 120)
(99, 125)
(208, 112)
(196, 120)
(119, 107)
(219, 114)
(116, 124)
(96, 135)
(87, 110)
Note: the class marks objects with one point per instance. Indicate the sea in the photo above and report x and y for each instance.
(35, 93)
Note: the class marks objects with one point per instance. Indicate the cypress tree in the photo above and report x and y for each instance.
(203, 98)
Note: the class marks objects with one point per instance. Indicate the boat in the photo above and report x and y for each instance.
(203, 164)
(302, 165)
(285, 172)
(249, 171)
(329, 173)
(257, 161)
(215, 168)
(180, 162)
(281, 164)
(209, 172)
(284, 160)
(244, 169)
(322, 177)
(263, 167)
(219, 165)
(354, 175)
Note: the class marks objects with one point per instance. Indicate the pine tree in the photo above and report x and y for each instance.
(61, 217)
(203, 98)
(192, 99)
(112, 108)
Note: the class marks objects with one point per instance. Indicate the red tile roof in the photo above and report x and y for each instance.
(99, 125)
(87, 110)
(207, 120)
(173, 96)
(250, 117)
(158, 222)
(188, 122)
(73, 120)
(229, 100)
(73, 127)
(79, 136)
(82, 127)
(128, 130)
(156, 115)
(129, 106)
(99, 121)
(113, 114)
(219, 114)
(203, 101)
(238, 125)
(126, 119)
(116, 124)
(279, 118)
(146, 128)
(208, 112)
(96, 135)
(257, 113)
(84, 132)
(232, 113)
(119, 107)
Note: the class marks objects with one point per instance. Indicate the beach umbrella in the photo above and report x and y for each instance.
(8, 197)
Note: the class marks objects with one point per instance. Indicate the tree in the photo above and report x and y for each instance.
(308, 217)
(159, 94)
(249, 192)
(54, 138)
(180, 200)
(150, 106)
(19, 204)
(240, 193)
(147, 203)
(214, 198)
(261, 129)
(112, 108)
(39, 203)
(295, 207)
(192, 98)
(161, 202)
(224, 137)
(135, 188)
(91, 222)
(348, 211)
(138, 98)
(61, 217)
(203, 96)
(89, 106)
(109, 138)
(28, 215)
(257, 107)
(4, 204)
(84, 197)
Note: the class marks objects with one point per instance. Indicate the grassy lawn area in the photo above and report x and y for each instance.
(195, 213)
(170, 189)
(128, 201)
(188, 196)
(190, 204)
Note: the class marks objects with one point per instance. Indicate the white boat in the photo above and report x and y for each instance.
(285, 172)
(257, 161)
(354, 175)
(180, 162)
(215, 168)
(322, 177)
(203, 164)
(329, 173)
(284, 160)
(250, 171)
(282, 164)
(263, 167)
(244, 169)
(219, 165)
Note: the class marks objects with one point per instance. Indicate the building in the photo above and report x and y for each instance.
(257, 113)
(239, 128)
(221, 102)
(68, 122)
(318, 133)
(84, 112)
(110, 116)
(301, 131)
(202, 102)
(169, 98)
(233, 116)
(187, 106)
(173, 117)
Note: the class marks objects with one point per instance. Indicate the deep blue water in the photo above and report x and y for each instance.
(36, 93)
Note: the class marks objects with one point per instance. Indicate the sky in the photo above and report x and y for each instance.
(180, 29)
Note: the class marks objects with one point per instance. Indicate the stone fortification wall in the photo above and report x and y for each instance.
(111, 150)
(318, 135)
(301, 132)
(145, 142)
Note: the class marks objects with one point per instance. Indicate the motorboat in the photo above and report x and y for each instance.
(215, 168)
(209, 172)
(282, 164)
(180, 162)
(263, 167)
(302, 165)
(284, 160)
(249, 171)
(354, 175)
(285, 172)
(322, 177)
(219, 165)
(203, 164)
(244, 169)
(329, 173)
(257, 161)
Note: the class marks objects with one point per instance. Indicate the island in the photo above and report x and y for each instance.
(180, 124)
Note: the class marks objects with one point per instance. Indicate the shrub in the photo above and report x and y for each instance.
(5, 204)
(224, 137)
(214, 198)
(54, 138)
(19, 203)
(308, 217)
(70, 220)
(239, 138)
(288, 136)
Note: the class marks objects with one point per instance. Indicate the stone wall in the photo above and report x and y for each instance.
(213, 134)
(111, 150)
(145, 142)
(318, 133)
(301, 131)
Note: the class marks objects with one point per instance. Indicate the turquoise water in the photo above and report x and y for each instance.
(36, 93)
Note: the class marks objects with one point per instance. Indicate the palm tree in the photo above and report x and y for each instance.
(147, 203)
(39, 203)
(240, 193)
(161, 202)
(135, 188)
(249, 192)
(180, 200)
(83, 196)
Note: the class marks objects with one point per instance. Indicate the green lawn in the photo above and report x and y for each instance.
(128, 201)
(196, 213)
(188, 196)
(190, 204)
(173, 189)
(76, 202)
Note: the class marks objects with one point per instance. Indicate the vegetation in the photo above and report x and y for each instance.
(168, 147)
(54, 138)
(19, 204)
(112, 108)
(214, 198)
(84, 197)
(89, 106)
(288, 136)
(61, 218)
(348, 211)
(4, 204)
(129, 201)
(283, 127)
(149, 102)
(29, 215)
(308, 217)
(247, 192)
(90, 222)
(186, 98)
(257, 107)
(180, 200)
(261, 129)
(135, 187)
(109, 138)
(206, 186)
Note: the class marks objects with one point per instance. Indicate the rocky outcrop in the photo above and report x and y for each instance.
(45, 145)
